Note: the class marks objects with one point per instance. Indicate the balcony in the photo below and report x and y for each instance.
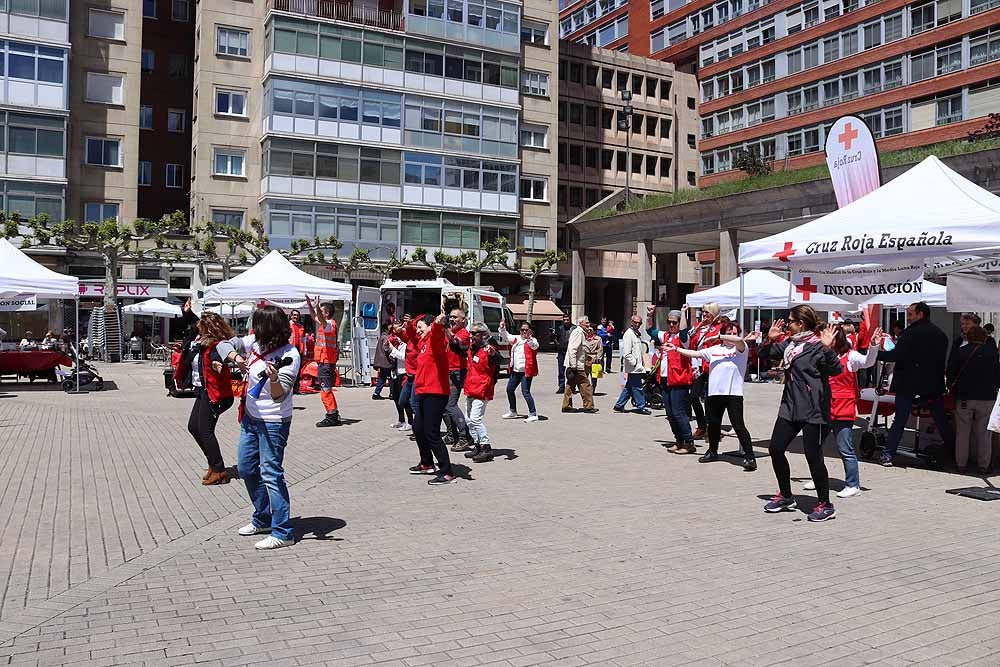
(983, 6)
(365, 14)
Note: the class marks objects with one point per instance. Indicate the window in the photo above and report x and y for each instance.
(810, 56)
(149, 9)
(922, 18)
(231, 103)
(691, 141)
(228, 218)
(34, 135)
(691, 103)
(535, 83)
(706, 275)
(831, 49)
(105, 88)
(100, 211)
(533, 240)
(26, 61)
(232, 42)
(229, 162)
(949, 58)
(651, 161)
(576, 155)
(534, 136)
(665, 126)
(145, 172)
(534, 188)
(180, 10)
(148, 60)
(178, 66)
(534, 32)
(176, 120)
(984, 47)
(873, 34)
(795, 61)
(591, 116)
(691, 176)
(145, 117)
(949, 110)
(651, 126)
(104, 152)
(175, 176)
(106, 25)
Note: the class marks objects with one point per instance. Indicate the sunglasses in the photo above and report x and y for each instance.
(673, 323)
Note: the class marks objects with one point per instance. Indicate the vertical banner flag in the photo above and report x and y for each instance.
(853, 160)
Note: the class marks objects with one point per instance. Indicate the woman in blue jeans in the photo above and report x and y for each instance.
(523, 368)
(271, 366)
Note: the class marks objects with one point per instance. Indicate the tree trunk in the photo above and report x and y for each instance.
(477, 280)
(531, 296)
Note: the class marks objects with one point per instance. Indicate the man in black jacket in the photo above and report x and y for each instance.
(918, 376)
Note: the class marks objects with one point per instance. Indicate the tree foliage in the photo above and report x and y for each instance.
(991, 130)
(751, 162)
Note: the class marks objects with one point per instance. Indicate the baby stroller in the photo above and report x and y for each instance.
(651, 388)
(87, 374)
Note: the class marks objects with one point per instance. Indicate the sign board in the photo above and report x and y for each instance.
(859, 284)
(852, 159)
(19, 303)
(127, 289)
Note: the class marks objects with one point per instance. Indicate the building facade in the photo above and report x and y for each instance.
(774, 76)
(602, 152)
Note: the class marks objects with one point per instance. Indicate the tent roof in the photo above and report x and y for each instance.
(274, 277)
(761, 289)
(19, 274)
(542, 310)
(153, 307)
(926, 212)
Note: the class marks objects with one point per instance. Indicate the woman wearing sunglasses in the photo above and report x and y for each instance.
(809, 362)
(522, 369)
(676, 376)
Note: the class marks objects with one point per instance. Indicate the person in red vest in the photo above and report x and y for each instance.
(213, 389)
(326, 355)
(458, 345)
(676, 376)
(480, 382)
(431, 387)
(704, 334)
(522, 369)
(297, 338)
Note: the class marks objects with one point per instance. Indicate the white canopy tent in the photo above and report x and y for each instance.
(154, 307)
(19, 274)
(275, 278)
(231, 309)
(872, 246)
(761, 289)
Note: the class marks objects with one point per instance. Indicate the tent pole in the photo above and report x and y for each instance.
(742, 320)
(77, 328)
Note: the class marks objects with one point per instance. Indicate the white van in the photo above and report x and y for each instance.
(374, 306)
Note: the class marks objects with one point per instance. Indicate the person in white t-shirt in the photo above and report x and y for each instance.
(271, 365)
(727, 361)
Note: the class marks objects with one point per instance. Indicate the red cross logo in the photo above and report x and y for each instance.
(787, 252)
(847, 137)
(806, 288)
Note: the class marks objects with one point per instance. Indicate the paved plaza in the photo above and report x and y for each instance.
(584, 542)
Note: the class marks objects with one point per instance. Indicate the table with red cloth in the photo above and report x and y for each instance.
(40, 363)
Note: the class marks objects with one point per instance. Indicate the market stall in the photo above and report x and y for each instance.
(21, 275)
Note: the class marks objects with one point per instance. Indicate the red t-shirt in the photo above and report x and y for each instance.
(412, 341)
(432, 363)
(457, 361)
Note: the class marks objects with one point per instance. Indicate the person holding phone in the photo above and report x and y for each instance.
(271, 365)
(522, 369)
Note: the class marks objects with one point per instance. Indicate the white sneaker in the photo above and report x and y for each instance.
(531, 418)
(849, 491)
(809, 486)
(395, 425)
(272, 542)
(509, 415)
(250, 529)
(404, 428)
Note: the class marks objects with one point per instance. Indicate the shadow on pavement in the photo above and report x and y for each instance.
(317, 527)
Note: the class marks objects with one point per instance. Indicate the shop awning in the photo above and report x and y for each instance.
(542, 311)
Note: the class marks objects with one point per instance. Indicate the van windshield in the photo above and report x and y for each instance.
(491, 317)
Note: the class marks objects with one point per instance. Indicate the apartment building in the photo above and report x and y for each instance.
(35, 40)
(775, 75)
(603, 150)
(389, 128)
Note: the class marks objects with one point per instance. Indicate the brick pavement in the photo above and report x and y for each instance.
(589, 544)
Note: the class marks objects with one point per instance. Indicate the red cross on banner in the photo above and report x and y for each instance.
(847, 137)
(806, 288)
(784, 254)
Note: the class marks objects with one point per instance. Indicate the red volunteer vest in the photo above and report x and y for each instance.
(530, 358)
(326, 343)
(844, 393)
(679, 371)
(480, 379)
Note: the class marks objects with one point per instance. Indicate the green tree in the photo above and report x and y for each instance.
(531, 271)
(751, 162)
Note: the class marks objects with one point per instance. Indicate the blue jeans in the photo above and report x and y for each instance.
(633, 388)
(561, 369)
(677, 400)
(260, 457)
(844, 435)
(524, 381)
(904, 405)
(406, 397)
(383, 375)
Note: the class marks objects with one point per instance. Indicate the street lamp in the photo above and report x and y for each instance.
(625, 124)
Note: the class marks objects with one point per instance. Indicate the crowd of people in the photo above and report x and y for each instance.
(429, 362)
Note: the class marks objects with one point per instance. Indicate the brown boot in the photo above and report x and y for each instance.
(217, 477)
(207, 474)
(699, 433)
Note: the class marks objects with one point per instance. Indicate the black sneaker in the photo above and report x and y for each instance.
(443, 479)
(332, 419)
(473, 451)
(569, 410)
(590, 411)
(709, 457)
(644, 411)
(461, 446)
(780, 504)
(448, 439)
(485, 455)
(822, 512)
(376, 397)
(749, 464)
(422, 470)
(885, 460)
(617, 409)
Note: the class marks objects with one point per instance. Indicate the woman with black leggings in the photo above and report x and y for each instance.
(431, 387)
(809, 361)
